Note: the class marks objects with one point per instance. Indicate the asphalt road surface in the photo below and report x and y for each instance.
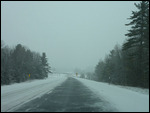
(71, 96)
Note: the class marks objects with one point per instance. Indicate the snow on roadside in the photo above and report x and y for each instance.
(124, 100)
(136, 89)
(13, 96)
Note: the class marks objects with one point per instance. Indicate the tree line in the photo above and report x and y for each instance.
(18, 63)
(129, 64)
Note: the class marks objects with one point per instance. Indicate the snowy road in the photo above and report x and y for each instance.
(13, 96)
(59, 92)
(71, 96)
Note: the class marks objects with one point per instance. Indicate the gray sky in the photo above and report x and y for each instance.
(73, 34)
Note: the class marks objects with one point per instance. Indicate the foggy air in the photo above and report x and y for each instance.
(74, 56)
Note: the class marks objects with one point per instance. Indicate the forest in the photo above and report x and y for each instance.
(129, 64)
(21, 64)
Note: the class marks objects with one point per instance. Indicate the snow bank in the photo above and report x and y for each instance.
(136, 89)
(13, 96)
(124, 100)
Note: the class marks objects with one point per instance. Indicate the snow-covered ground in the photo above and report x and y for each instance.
(136, 89)
(13, 96)
(124, 99)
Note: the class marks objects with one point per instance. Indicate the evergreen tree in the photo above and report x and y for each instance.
(18, 57)
(137, 41)
(46, 67)
(28, 65)
(5, 65)
(18, 63)
(37, 66)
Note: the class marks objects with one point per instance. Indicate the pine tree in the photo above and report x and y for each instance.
(45, 65)
(137, 40)
(5, 65)
(37, 66)
(18, 57)
(28, 65)
(18, 63)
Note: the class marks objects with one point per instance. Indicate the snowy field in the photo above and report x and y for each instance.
(124, 99)
(15, 95)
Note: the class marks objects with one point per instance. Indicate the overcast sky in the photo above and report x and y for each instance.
(73, 34)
